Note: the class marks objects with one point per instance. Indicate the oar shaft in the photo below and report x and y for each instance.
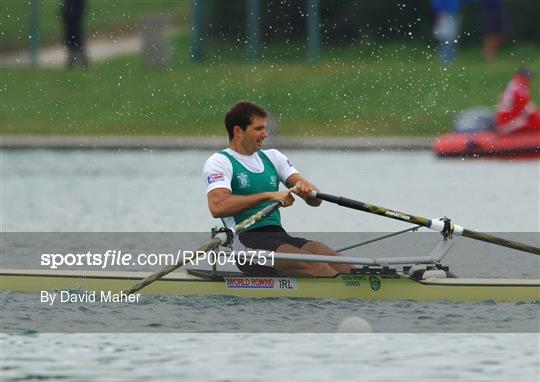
(436, 225)
(500, 241)
(219, 239)
(212, 244)
(357, 205)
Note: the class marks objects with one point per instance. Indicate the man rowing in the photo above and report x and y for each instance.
(242, 179)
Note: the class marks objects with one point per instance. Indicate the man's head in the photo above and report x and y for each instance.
(241, 115)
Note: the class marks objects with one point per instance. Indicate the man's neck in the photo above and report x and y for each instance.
(239, 149)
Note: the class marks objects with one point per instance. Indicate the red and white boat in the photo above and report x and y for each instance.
(479, 144)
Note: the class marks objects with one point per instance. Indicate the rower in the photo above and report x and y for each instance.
(516, 111)
(242, 179)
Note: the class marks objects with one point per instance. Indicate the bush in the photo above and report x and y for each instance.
(344, 22)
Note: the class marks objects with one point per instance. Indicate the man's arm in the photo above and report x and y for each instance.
(223, 203)
(303, 187)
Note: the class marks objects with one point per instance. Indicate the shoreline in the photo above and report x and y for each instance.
(64, 142)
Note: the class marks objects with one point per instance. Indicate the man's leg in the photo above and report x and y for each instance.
(318, 248)
(301, 268)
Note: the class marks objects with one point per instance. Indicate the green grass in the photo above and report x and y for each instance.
(102, 18)
(368, 89)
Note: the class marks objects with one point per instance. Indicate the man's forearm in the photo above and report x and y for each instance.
(235, 204)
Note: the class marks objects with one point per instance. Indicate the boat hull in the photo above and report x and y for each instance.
(368, 287)
(489, 144)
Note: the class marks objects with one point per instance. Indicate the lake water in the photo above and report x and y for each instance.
(162, 191)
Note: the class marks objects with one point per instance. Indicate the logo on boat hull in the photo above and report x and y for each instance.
(353, 280)
(374, 283)
(277, 283)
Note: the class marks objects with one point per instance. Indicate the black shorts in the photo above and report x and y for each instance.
(268, 238)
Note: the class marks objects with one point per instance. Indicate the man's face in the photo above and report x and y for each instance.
(252, 138)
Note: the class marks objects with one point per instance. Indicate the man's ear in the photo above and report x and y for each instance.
(237, 130)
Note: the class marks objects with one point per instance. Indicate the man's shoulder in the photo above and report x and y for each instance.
(219, 155)
(273, 153)
(276, 156)
(266, 151)
(217, 159)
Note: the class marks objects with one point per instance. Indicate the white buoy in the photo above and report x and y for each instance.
(354, 324)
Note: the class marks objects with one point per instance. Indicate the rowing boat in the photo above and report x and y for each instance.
(422, 278)
(366, 286)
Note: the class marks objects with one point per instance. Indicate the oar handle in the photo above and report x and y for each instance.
(271, 208)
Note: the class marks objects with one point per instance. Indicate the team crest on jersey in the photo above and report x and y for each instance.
(243, 180)
(215, 177)
(273, 180)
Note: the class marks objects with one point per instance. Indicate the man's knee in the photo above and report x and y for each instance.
(318, 248)
(289, 248)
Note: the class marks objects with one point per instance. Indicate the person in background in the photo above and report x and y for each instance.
(72, 12)
(516, 111)
(494, 26)
(446, 27)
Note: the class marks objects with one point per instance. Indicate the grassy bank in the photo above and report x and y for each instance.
(365, 90)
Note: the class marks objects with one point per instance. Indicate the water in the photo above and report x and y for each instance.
(163, 191)
(269, 357)
(240, 315)
(103, 191)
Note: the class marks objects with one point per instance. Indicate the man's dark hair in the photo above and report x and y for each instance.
(241, 114)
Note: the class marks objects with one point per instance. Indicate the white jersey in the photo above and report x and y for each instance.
(218, 169)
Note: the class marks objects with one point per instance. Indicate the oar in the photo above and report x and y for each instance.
(219, 239)
(443, 225)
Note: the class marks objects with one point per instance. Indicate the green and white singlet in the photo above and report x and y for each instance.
(246, 175)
